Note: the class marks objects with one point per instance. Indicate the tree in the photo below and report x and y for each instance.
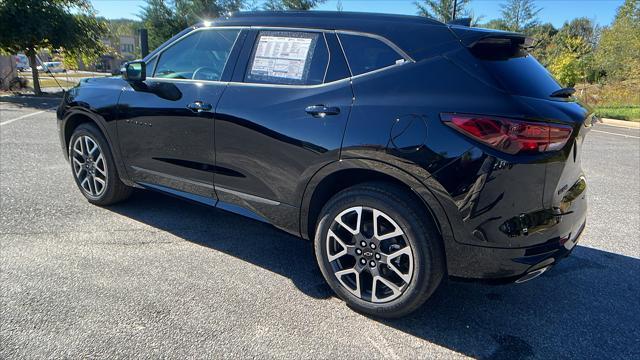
(279, 5)
(163, 19)
(519, 15)
(31, 25)
(339, 6)
(571, 61)
(544, 35)
(618, 52)
(442, 10)
(194, 11)
(160, 21)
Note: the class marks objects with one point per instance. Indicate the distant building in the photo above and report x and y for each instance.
(128, 45)
(124, 48)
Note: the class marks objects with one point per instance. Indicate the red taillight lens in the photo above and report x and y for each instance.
(508, 135)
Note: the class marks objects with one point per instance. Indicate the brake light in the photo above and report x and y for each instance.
(508, 135)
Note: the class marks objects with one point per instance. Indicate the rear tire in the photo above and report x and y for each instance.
(93, 167)
(361, 231)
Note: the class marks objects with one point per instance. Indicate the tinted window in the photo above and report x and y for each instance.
(366, 54)
(150, 66)
(288, 57)
(522, 76)
(200, 56)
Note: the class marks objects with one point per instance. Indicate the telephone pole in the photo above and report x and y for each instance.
(455, 7)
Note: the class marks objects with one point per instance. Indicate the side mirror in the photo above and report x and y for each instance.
(135, 71)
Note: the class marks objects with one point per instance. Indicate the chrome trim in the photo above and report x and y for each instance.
(248, 196)
(532, 275)
(289, 86)
(326, 68)
(379, 70)
(344, 54)
(203, 82)
(388, 42)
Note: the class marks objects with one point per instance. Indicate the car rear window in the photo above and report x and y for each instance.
(523, 76)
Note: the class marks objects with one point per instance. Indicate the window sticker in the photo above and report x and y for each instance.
(282, 57)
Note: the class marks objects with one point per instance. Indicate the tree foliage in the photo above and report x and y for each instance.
(279, 5)
(31, 25)
(618, 52)
(442, 10)
(519, 15)
(164, 19)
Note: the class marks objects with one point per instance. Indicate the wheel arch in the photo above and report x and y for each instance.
(75, 117)
(348, 172)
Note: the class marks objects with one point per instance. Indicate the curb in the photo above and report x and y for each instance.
(621, 123)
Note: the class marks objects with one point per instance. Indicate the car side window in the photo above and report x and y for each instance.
(150, 67)
(202, 55)
(365, 54)
(288, 58)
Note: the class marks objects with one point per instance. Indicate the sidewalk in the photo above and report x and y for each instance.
(622, 123)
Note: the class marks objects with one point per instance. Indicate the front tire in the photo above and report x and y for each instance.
(378, 250)
(93, 167)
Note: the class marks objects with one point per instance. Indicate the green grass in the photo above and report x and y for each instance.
(630, 112)
(50, 82)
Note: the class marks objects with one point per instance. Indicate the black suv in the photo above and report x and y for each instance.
(408, 150)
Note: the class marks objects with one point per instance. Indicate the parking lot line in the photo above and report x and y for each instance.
(610, 133)
(25, 116)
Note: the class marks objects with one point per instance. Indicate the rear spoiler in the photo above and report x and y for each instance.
(487, 43)
(469, 36)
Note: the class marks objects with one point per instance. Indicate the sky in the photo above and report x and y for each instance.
(553, 11)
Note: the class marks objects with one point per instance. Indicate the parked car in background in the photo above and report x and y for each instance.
(52, 67)
(406, 149)
(22, 63)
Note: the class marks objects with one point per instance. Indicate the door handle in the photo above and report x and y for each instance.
(321, 110)
(199, 106)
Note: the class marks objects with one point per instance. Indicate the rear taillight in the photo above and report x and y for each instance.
(508, 135)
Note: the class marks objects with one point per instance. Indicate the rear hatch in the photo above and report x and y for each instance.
(501, 59)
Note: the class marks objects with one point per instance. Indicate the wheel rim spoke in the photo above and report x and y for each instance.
(396, 291)
(397, 231)
(90, 145)
(100, 165)
(344, 251)
(341, 274)
(358, 211)
(369, 254)
(389, 262)
(78, 166)
(78, 148)
(86, 184)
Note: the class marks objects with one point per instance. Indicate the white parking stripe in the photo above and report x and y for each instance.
(610, 133)
(25, 116)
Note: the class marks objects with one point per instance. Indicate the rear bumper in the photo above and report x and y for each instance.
(511, 264)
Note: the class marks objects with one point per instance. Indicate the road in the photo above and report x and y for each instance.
(161, 277)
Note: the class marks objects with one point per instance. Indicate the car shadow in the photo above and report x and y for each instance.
(588, 306)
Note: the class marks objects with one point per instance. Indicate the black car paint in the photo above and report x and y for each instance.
(258, 153)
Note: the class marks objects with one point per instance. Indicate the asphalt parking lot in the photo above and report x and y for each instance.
(160, 277)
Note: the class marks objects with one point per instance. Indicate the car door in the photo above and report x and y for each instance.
(281, 118)
(166, 123)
